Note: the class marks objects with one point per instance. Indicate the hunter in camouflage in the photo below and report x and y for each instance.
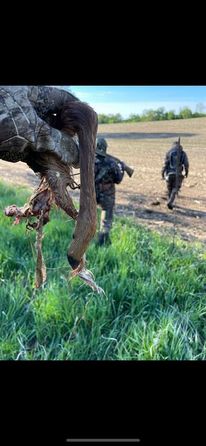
(52, 131)
(107, 173)
(174, 170)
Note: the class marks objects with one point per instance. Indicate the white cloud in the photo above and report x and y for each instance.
(86, 95)
(82, 95)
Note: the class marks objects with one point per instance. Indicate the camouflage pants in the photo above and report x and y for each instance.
(106, 202)
(172, 187)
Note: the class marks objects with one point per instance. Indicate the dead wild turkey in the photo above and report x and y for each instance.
(53, 132)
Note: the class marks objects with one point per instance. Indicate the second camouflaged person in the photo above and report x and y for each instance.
(175, 169)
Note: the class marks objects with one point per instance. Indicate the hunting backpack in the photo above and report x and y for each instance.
(173, 157)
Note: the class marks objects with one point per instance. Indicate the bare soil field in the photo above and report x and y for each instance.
(143, 147)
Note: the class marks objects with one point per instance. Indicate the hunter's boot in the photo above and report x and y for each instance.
(171, 199)
(103, 239)
(100, 240)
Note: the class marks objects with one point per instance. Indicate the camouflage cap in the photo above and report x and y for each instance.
(101, 146)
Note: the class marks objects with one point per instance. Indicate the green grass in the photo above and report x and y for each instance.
(154, 306)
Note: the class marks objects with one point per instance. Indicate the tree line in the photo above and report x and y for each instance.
(153, 115)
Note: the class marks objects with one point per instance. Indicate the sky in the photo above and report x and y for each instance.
(135, 99)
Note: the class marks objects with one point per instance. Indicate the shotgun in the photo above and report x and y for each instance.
(127, 169)
(178, 166)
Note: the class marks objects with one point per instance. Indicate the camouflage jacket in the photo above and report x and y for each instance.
(107, 173)
(169, 167)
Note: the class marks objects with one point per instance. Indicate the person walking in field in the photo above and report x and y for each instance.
(108, 172)
(174, 170)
